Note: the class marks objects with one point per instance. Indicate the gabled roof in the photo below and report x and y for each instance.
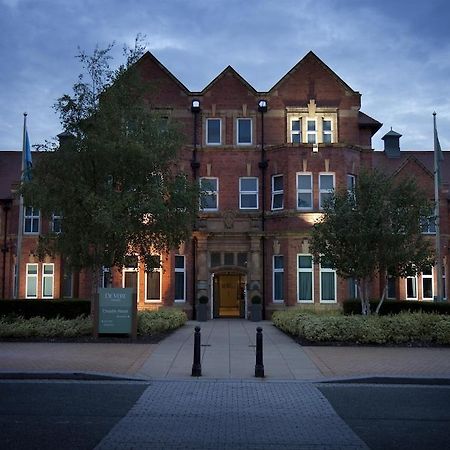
(366, 121)
(231, 71)
(309, 58)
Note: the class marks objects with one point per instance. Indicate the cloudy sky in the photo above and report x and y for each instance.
(396, 53)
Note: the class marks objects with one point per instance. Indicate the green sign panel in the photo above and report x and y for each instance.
(115, 313)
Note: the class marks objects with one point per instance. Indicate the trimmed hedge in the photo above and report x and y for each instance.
(353, 306)
(401, 328)
(160, 321)
(49, 309)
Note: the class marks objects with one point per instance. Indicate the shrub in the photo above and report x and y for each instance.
(395, 329)
(50, 309)
(353, 306)
(160, 321)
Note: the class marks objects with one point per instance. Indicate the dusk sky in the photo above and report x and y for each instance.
(395, 53)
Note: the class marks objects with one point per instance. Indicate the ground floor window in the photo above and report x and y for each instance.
(411, 288)
(180, 278)
(427, 284)
(278, 278)
(391, 288)
(67, 284)
(130, 274)
(153, 283)
(31, 281)
(48, 271)
(305, 279)
(327, 283)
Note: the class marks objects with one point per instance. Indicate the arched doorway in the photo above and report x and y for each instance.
(229, 294)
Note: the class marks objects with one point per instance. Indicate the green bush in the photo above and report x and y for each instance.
(50, 309)
(401, 328)
(353, 306)
(160, 321)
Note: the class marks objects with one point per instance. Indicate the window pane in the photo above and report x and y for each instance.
(48, 287)
(295, 125)
(311, 138)
(305, 286)
(248, 200)
(32, 269)
(278, 201)
(427, 285)
(179, 262)
(278, 286)
(215, 259)
(391, 291)
(208, 184)
(328, 280)
(326, 182)
(327, 125)
(304, 181)
(48, 269)
(31, 287)
(411, 288)
(324, 198)
(68, 284)
(324, 264)
(311, 125)
(278, 262)
(213, 131)
(248, 184)
(244, 131)
(296, 138)
(35, 224)
(327, 138)
(242, 259)
(209, 201)
(277, 183)
(130, 280)
(229, 259)
(179, 285)
(304, 200)
(305, 262)
(427, 271)
(153, 285)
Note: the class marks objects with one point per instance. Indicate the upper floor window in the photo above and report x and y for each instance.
(209, 195)
(296, 131)
(277, 192)
(327, 132)
(56, 223)
(311, 131)
(248, 193)
(213, 131)
(31, 220)
(304, 191)
(428, 225)
(326, 187)
(244, 131)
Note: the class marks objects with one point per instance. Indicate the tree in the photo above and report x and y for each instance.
(375, 228)
(113, 178)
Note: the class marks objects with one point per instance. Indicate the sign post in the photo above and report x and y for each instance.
(115, 312)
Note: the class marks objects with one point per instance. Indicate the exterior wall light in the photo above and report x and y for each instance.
(195, 106)
(262, 106)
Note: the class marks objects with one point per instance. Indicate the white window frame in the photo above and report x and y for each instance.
(216, 193)
(305, 270)
(428, 277)
(183, 271)
(34, 216)
(132, 269)
(305, 191)
(220, 131)
(311, 132)
(45, 276)
(406, 288)
(241, 192)
(325, 191)
(274, 271)
(327, 270)
(280, 192)
(327, 132)
(34, 276)
(238, 121)
(296, 132)
(158, 270)
(56, 217)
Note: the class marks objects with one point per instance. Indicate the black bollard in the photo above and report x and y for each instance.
(259, 366)
(197, 366)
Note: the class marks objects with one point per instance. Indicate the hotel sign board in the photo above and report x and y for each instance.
(116, 311)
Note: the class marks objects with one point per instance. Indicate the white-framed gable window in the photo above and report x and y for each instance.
(209, 194)
(48, 280)
(311, 131)
(244, 131)
(277, 192)
(305, 279)
(326, 187)
(327, 131)
(213, 131)
(31, 220)
(296, 131)
(248, 193)
(278, 278)
(153, 283)
(31, 282)
(304, 191)
(327, 283)
(180, 278)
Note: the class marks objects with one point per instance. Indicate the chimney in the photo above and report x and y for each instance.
(392, 144)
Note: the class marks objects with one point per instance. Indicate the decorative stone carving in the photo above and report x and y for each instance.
(276, 247)
(228, 218)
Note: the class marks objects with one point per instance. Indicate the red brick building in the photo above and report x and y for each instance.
(267, 161)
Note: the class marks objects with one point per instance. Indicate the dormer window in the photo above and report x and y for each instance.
(311, 132)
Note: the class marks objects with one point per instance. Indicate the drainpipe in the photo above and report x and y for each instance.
(263, 164)
(195, 165)
(5, 248)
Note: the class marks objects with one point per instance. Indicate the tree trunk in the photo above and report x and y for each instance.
(365, 305)
(383, 295)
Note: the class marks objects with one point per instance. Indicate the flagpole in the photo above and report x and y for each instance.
(20, 226)
(437, 211)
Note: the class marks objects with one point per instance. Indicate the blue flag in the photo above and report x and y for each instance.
(28, 163)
